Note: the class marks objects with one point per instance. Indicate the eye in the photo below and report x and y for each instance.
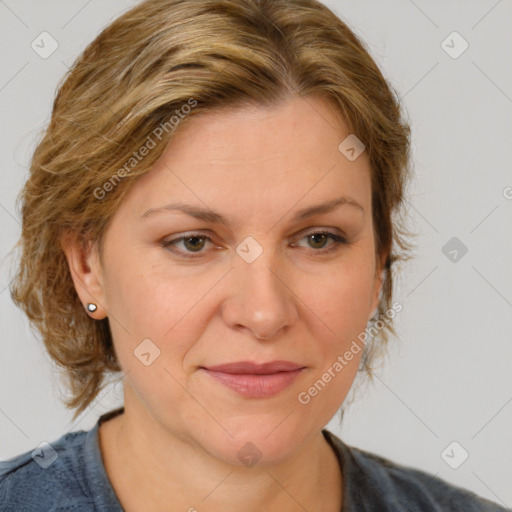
(194, 243)
(317, 240)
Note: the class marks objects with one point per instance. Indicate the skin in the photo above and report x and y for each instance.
(177, 442)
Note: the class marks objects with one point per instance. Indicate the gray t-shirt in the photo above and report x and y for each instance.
(69, 475)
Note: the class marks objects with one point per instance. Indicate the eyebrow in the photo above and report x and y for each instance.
(208, 215)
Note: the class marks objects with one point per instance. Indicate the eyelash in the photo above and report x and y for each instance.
(337, 241)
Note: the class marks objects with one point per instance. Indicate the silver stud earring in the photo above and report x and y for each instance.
(91, 307)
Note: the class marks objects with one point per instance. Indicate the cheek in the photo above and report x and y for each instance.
(341, 301)
(147, 300)
(173, 309)
(150, 319)
(340, 311)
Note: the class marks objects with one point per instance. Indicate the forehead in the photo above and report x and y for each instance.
(302, 128)
(256, 158)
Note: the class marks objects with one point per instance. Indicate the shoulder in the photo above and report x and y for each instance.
(405, 485)
(48, 477)
(372, 479)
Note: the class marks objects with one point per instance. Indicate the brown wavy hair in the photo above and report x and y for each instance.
(137, 73)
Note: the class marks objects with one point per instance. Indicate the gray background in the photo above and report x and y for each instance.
(448, 376)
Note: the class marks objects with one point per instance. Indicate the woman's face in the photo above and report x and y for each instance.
(255, 286)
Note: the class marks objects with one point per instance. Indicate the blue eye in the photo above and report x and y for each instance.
(195, 242)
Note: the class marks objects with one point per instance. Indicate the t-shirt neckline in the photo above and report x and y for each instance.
(100, 486)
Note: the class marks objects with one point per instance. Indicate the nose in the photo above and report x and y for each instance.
(260, 300)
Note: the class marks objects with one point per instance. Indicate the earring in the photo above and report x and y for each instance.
(91, 307)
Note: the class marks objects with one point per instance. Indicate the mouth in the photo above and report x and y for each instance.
(255, 380)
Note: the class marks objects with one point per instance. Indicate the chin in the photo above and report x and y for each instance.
(254, 442)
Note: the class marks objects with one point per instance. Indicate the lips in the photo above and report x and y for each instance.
(248, 367)
(255, 380)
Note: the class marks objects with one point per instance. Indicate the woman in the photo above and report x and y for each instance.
(211, 213)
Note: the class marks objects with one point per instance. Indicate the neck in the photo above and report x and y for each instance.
(143, 460)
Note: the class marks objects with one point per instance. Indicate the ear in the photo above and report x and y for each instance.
(85, 268)
(377, 284)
